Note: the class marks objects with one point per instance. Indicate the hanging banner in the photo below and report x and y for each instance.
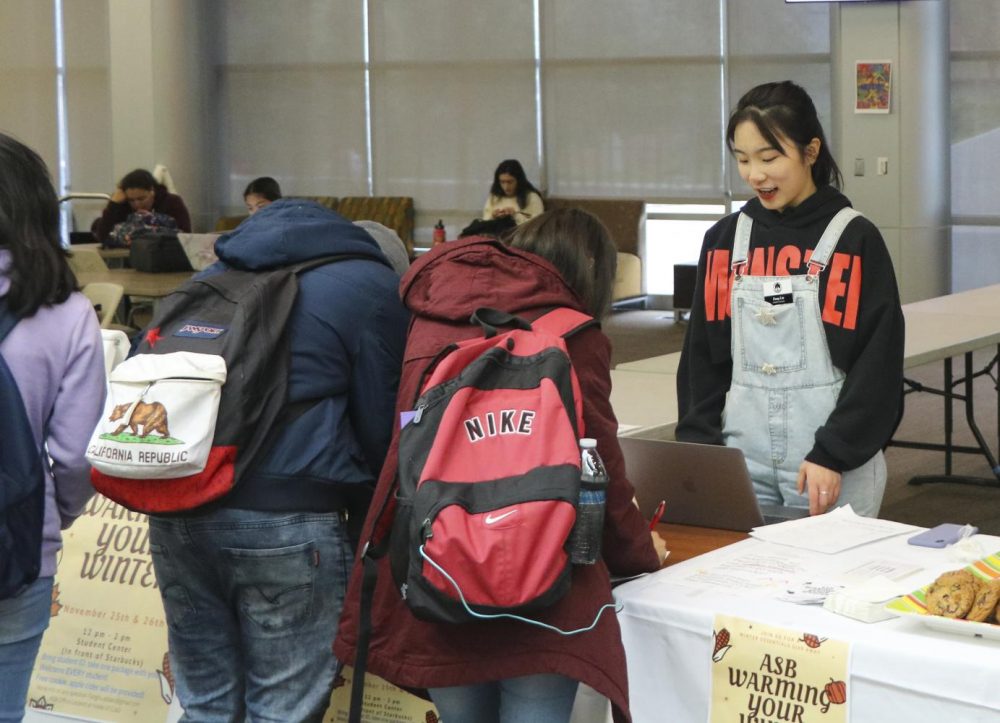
(764, 673)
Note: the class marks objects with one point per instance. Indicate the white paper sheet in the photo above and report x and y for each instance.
(836, 531)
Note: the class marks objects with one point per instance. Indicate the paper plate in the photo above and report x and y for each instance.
(914, 604)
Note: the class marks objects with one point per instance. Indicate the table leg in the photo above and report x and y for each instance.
(970, 416)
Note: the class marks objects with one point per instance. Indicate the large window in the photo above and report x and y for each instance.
(596, 99)
(975, 138)
(292, 106)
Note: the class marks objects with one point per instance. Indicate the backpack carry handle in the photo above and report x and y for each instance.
(491, 319)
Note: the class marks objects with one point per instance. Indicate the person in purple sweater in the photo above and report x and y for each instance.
(56, 358)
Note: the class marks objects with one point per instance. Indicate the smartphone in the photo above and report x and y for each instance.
(940, 536)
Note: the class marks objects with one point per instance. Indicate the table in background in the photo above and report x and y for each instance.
(662, 364)
(645, 403)
(939, 329)
(898, 669)
(137, 283)
(108, 254)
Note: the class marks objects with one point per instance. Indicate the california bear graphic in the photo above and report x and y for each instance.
(152, 418)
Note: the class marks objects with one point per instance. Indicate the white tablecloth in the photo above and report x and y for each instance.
(899, 669)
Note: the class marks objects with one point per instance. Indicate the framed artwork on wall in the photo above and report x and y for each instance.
(873, 86)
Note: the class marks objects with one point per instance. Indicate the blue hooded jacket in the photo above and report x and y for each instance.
(347, 331)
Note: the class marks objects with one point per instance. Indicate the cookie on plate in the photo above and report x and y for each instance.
(952, 594)
(985, 602)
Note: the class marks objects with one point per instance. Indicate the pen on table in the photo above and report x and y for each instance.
(658, 514)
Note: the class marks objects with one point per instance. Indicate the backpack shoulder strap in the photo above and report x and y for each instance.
(565, 322)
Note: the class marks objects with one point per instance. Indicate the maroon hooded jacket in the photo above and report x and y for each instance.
(442, 289)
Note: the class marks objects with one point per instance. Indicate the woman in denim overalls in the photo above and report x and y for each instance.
(794, 352)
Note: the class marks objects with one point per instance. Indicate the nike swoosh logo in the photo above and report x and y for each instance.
(490, 519)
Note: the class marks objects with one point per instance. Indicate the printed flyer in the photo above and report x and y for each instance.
(104, 656)
(384, 702)
(763, 673)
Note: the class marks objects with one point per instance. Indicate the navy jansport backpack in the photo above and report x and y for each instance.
(22, 483)
(157, 449)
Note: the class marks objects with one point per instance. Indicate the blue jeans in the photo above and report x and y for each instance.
(528, 699)
(23, 619)
(252, 601)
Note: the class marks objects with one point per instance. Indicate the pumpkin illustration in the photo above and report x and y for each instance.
(836, 690)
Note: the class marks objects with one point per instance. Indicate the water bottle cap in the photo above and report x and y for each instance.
(588, 443)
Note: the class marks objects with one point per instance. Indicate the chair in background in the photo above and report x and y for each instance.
(105, 297)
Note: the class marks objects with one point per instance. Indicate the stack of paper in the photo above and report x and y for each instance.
(865, 602)
(836, 531)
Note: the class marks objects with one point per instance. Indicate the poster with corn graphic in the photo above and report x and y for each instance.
(765, 673)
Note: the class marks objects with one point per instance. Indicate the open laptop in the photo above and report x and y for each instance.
(703, 484)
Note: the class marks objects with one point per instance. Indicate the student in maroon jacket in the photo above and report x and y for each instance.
(560, 258)
(139, 191)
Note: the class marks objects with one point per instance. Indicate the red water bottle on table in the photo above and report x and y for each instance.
(439, 233)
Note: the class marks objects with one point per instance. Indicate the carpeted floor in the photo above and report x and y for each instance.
(641, 334)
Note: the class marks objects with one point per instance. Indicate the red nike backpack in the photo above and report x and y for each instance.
(489, 472)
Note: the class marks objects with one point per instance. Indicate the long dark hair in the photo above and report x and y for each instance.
(513, 168)
(580, 247)
(29, 229)
(785, 109)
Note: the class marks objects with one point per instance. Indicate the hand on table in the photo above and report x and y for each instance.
(661, 546)
(823, 485)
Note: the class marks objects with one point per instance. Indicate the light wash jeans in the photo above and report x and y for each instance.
(528, 699)
(23, 619)
(252, 601)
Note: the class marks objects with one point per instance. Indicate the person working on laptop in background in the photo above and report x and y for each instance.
(800, 290)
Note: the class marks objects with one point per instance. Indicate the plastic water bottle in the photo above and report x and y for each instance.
(585, 539)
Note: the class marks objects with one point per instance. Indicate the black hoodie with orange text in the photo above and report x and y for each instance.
(862, 318)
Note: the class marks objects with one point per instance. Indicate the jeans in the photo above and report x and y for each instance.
(252, 601)
(23, 619)
(528, 699)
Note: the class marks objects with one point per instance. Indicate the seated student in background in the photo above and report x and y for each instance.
(260, 192)
(512, 194)
(138, 192)
(794, 350)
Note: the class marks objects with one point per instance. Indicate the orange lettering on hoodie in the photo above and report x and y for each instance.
(717, 285)
(789, 258)
(836, 290)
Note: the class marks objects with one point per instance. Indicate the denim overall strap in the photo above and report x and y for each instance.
(784, 383)
(828, 241)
